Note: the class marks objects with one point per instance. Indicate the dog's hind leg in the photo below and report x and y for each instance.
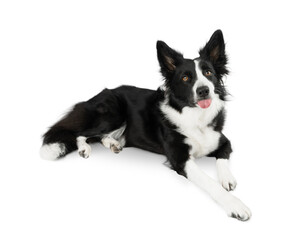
(60, 139)
(83, 147)
(112, 144)
(114, 140)
(97, 117)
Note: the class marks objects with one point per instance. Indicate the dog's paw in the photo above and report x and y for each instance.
(84, 151)
(112, 144)
(115, 147)
(227, 181)
(235, 208)
(225, 177)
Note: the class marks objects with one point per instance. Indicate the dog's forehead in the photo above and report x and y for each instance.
(187, 65)
(202, 63)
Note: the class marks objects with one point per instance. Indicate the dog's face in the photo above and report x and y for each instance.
(197, 82)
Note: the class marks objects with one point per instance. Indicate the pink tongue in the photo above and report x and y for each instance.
(204, 103)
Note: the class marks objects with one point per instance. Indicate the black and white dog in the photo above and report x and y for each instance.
(183, 120)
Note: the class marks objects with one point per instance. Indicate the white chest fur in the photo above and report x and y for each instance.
(202, 141)
(193, 123)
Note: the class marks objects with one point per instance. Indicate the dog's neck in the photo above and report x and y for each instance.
(191, 116)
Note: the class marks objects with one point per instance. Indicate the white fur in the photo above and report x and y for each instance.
(83, 147)
(224, 175)
(232, 205)
(193, 123)
(115, 139)
(52, 151)
(112, 144)
(202, 141)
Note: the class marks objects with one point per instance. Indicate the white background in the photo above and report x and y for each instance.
(56, 53)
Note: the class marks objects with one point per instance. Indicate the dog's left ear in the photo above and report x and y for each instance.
(214, 51)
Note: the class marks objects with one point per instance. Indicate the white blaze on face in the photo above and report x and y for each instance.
(202, 81)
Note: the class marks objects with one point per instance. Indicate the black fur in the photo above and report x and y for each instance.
(146, 126)
(214, 52)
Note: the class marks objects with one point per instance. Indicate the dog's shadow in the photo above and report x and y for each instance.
(127, 155)
(141, 158)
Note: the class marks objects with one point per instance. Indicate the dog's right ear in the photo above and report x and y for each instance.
(168, 58)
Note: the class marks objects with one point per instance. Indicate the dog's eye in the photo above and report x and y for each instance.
(185, 78)
(208, 73)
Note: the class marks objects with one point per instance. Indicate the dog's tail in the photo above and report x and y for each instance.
(60, 139)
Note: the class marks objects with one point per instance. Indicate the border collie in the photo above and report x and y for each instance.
(183, 120)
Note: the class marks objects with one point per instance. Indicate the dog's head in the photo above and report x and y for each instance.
(194, 82)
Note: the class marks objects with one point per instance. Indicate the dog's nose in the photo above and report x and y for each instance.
(202, 91)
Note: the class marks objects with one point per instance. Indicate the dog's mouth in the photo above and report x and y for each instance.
(205, 103)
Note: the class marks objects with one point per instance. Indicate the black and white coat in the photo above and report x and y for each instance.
(183, 120)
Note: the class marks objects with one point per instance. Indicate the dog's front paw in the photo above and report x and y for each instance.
(84, 151)
(225, 177)
(235, 208)
(227, 181)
